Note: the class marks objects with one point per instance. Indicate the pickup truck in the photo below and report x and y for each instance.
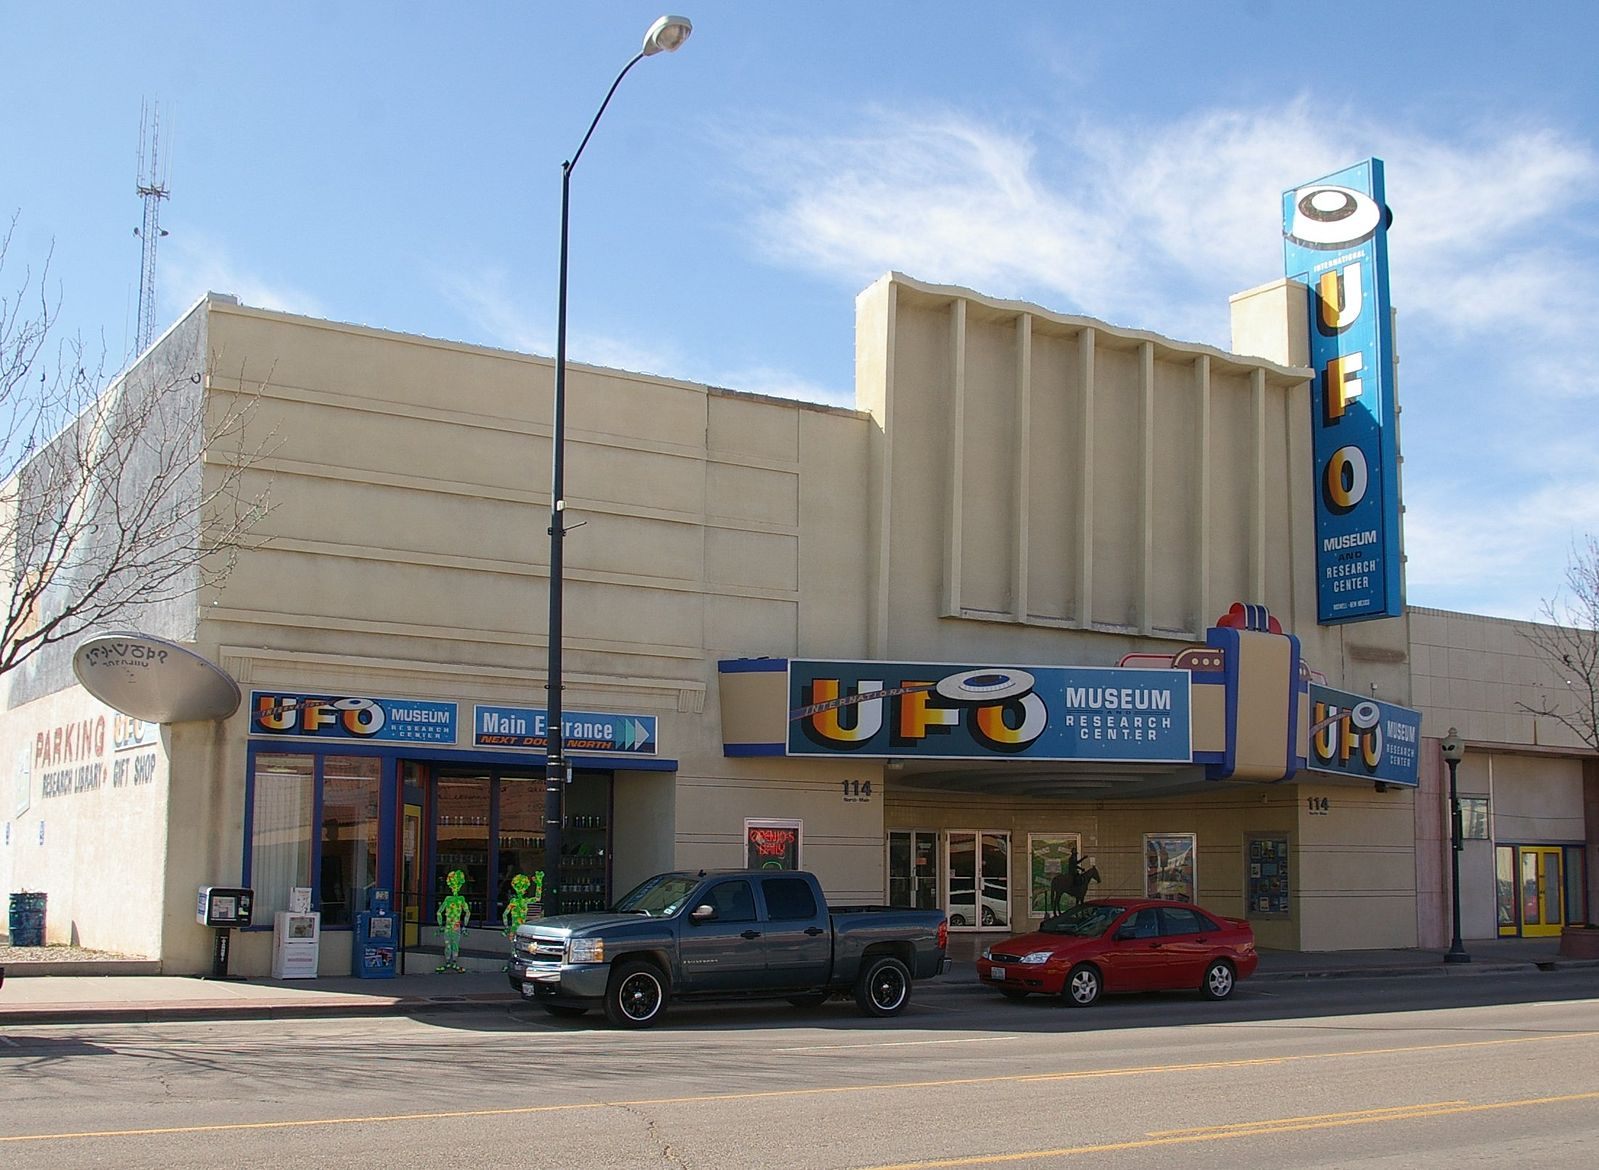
(728, 934)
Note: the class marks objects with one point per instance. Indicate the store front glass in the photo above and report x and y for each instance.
(1538, 889)
(322, 821)
(489, 824)
(283, 801)
(978, 864)
(913, 869)
(349, 836)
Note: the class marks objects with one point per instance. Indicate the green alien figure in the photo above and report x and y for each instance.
(454, 913)
(520, 905)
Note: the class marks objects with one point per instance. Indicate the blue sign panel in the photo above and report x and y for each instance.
(1352, 736)
(923, 711)
(584, 731)
(1335, 238)
(352, 717)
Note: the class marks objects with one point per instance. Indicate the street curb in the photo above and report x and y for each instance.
(355, 1007)
(149, 1013)
(1432, 970)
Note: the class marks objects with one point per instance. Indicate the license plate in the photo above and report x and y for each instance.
(996, 972)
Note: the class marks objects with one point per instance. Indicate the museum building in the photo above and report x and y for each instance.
(1050, 589)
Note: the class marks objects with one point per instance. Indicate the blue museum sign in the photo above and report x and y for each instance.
(1335, 239)
(1364, 738)
(927, 711)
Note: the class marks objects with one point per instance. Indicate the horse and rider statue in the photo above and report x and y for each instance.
(1072, 881)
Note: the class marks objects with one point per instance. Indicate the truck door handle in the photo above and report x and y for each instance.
(813, 931)
(751, 934)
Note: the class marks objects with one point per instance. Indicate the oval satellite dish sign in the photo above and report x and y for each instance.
(154, 679)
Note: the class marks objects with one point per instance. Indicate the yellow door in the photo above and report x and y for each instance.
(411, 871)
(1542, 891)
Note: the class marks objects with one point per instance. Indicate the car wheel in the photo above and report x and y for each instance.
(957, 920)
(988, 916)
(1012, 993)
(636, 995)
(564, 1011)
(1219, 980)
(808, 1001)
(1083, 986)
(884, 986)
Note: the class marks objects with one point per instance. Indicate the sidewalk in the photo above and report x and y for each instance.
(35, 993)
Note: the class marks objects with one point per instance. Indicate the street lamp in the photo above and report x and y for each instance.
(666, 35)
(1454, 750)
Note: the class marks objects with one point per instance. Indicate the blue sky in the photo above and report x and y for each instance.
(398, 165)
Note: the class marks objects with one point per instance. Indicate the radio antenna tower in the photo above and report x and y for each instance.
(152, 188)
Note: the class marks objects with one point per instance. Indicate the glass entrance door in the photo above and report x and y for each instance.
(978, 865)
(913, 869)
(1542, 890)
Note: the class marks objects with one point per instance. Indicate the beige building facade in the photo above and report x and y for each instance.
(1016, 490)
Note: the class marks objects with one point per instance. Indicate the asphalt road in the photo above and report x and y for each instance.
(1472, 1071)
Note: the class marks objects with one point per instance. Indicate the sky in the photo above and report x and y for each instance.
(399, 165)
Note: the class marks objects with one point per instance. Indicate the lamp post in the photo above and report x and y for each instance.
(666, 35)
(1454, 750)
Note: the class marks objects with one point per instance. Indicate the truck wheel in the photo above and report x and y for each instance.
(636, 995)
(884, 986)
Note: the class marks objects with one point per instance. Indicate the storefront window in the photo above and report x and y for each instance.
(280, 830)
(1505, 889)
(521, 832)
(772, 844)
(1474, 818)
(349, 836)
(463, 841)
(1169, 866)
(1268, 876)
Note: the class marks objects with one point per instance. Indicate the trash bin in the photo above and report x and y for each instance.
(27, 920)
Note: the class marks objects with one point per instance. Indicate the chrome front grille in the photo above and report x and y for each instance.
(546, 950)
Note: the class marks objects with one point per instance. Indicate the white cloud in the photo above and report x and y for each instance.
(1501, 557)
(1106, 218)
(485, 300)
(498, 318)
(783, 384)
(193, 265)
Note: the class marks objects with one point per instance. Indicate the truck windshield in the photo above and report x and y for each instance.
(1085, 921)
(658, 896)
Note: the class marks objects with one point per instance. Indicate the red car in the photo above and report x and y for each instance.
(1123, 944)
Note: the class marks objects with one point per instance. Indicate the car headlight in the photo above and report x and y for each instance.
(988, 953)
(585, 950)
(1038, 957)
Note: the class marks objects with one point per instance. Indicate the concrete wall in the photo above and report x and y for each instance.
(92, 831)
(1488, 678)
(1054, 489)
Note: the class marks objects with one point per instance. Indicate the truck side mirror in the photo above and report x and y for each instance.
(702, 913)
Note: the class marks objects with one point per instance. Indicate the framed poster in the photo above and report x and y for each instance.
(1169, 866)
(770, 844)
(1267, 883)
(1049, 869)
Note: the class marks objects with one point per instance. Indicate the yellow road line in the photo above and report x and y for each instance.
(818, 1091)
(1247, 1129)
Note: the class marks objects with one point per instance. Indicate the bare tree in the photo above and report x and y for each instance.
(118, 496)
(1569, 644)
